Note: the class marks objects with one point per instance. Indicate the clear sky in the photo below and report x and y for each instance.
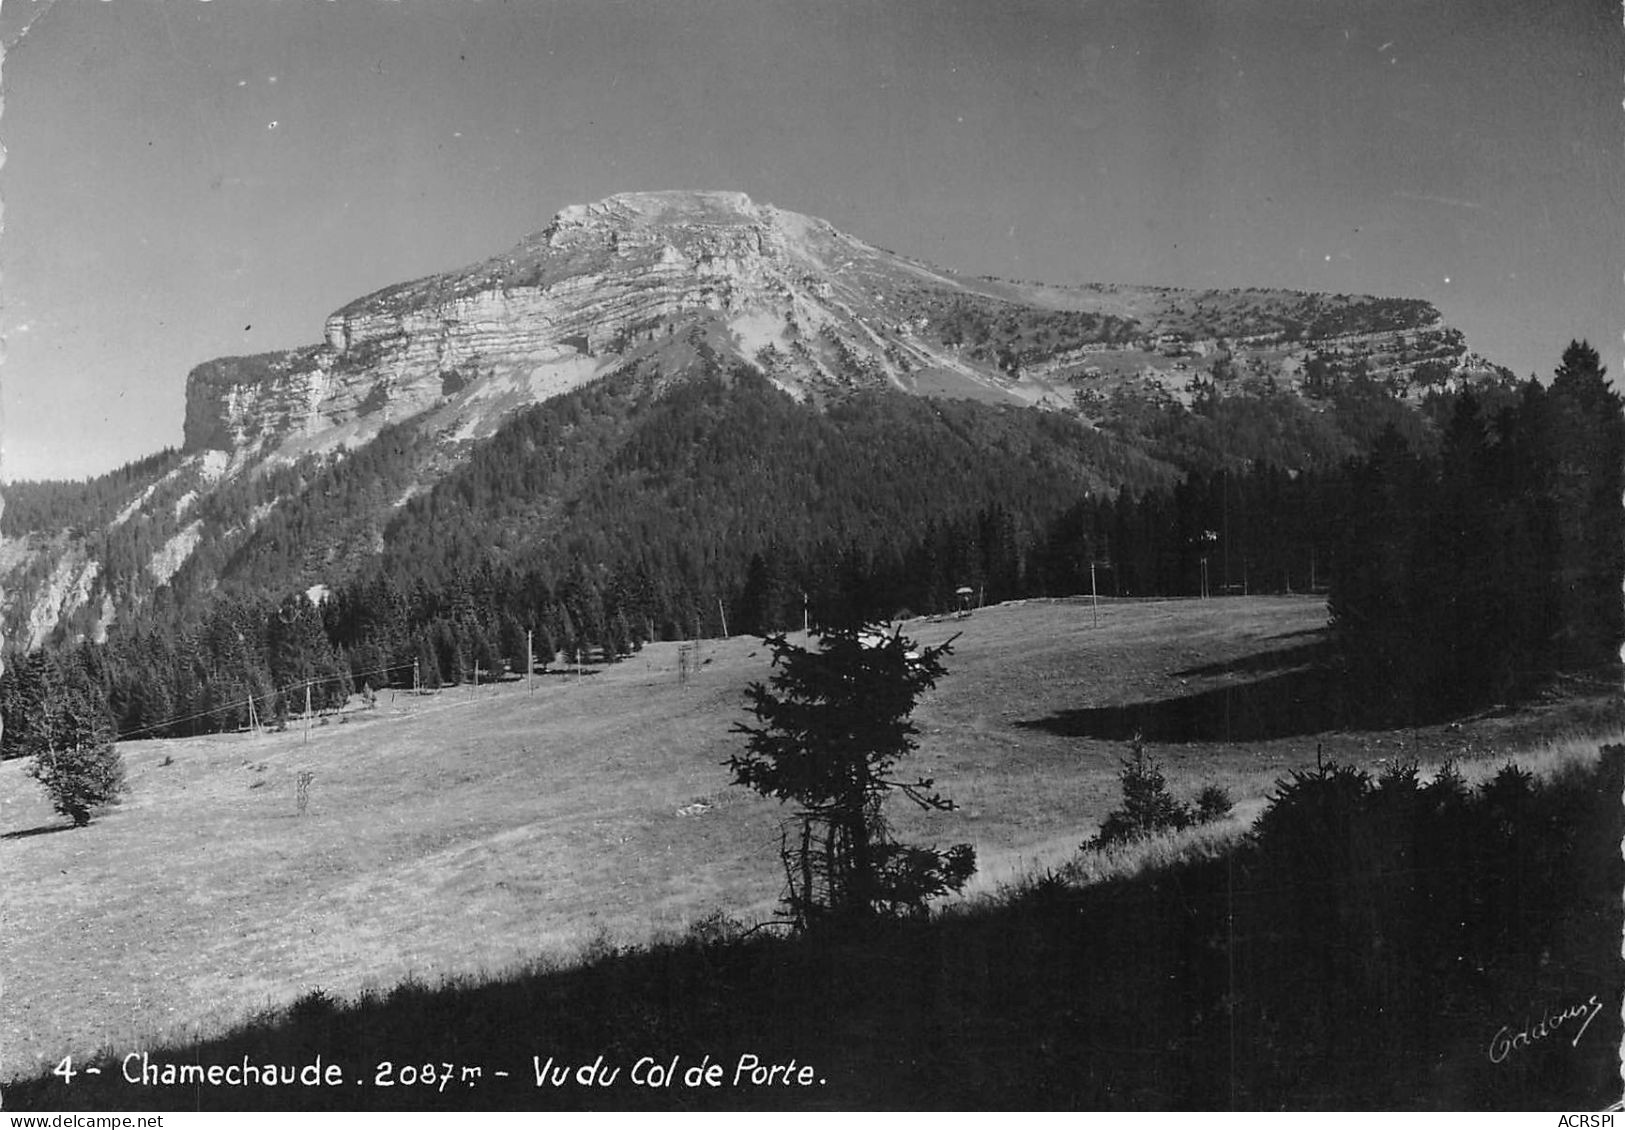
(185, 180)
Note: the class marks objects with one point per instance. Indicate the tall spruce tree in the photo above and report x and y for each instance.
(1587, 434)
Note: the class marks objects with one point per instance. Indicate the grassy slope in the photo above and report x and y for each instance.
(461, 833)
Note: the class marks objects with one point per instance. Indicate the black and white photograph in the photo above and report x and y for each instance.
(733, 555)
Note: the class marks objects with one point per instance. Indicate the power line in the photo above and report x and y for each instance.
(248, 701)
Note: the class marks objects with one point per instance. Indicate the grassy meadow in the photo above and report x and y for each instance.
(471, 832)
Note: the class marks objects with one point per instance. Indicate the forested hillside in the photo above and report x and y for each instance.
(717, 470)
(56, 504)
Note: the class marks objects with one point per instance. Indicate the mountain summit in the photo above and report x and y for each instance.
(635, 278)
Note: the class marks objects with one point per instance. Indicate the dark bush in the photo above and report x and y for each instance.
(1312, 816)
(1213, 803)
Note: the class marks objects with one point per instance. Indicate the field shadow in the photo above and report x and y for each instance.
(1286, 705)
(1293, 703)
(1264, 662)
(41, 830)
(1298, 632)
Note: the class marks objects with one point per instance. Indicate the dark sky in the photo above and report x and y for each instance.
(185, 180)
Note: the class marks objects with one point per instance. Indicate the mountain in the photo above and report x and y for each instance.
(296, 465)
(661, 277)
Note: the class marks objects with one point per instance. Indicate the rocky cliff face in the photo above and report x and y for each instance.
(233, 402)
(602, 284)
(663, 276)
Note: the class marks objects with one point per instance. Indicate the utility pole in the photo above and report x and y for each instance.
(1094, 594)
(253, 722)
(307, 712)
(724, 613)
(806, 622)
(530, 664)
(415, 683)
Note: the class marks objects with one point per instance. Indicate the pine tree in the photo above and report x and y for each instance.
(71, 740)
(543, 646)
(1373, 606)
(426, 659)
(511, 642)
(1588, 474)
(770, 601)
(832, 725)
(1148, 807)
(619, 640)
(22, 693)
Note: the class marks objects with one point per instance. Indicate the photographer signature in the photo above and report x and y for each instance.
(1510, 1039)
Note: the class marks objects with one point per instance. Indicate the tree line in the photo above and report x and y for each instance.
(1466, 567)
(1472, 576)
(45, 505)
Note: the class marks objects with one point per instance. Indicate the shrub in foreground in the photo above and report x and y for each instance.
(1149, 808)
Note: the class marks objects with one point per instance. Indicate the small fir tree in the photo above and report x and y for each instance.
(1148, 807)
